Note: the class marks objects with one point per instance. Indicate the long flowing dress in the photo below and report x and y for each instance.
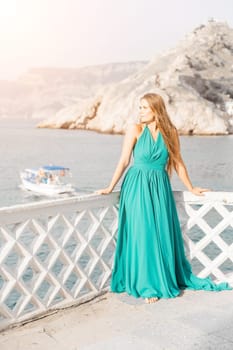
(150, 258)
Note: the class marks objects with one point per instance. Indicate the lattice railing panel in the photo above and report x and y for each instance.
(56, 254)
(208, 233)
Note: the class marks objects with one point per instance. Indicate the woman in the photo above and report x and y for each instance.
(150, 259)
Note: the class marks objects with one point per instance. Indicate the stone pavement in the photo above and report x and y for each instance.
(195, 320)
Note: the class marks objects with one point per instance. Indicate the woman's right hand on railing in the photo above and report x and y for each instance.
(106, 190)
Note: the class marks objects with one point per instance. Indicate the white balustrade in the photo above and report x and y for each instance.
(207, 227)
(60, 252)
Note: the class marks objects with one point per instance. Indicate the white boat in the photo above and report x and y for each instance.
(48, 180)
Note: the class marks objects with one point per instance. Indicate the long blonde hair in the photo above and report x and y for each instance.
(166, 127)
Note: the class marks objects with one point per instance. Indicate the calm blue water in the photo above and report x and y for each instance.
(92, 158)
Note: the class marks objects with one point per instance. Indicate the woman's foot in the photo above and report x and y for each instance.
(151, 300)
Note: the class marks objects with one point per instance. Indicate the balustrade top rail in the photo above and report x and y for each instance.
(81, 202)
(89, 199)
(59, 252)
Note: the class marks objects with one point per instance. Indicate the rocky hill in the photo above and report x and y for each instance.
(195, 78)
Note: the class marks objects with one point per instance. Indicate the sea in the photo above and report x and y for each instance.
(92, 158)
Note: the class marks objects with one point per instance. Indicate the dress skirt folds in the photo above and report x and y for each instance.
(150, 259)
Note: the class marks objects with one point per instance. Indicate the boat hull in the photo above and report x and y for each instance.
(47, 189)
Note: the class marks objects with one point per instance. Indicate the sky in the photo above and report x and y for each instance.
(76, 33)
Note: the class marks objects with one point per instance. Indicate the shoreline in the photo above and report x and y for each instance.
(112, 132)
(35, 125)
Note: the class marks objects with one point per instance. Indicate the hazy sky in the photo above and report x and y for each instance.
(74, 33)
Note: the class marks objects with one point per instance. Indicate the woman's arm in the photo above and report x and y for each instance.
(183, 173)
(128, 144)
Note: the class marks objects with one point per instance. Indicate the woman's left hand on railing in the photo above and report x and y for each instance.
(199, 191)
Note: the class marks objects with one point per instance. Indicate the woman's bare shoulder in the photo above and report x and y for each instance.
(134, 129)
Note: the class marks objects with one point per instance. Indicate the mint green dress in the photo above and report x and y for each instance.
(150, 259)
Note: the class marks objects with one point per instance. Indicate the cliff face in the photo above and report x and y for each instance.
(195, 79)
